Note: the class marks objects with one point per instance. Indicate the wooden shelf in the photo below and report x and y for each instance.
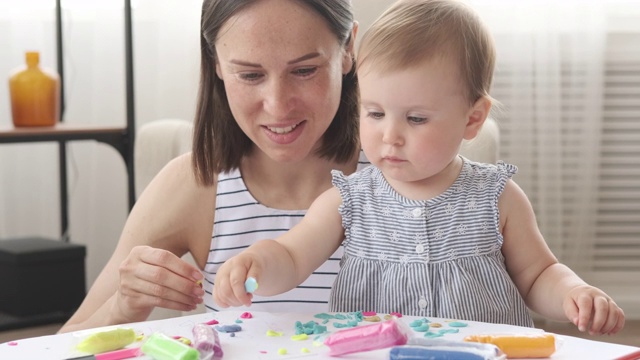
(113, 135)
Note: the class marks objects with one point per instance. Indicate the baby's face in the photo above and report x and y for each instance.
(412, 121)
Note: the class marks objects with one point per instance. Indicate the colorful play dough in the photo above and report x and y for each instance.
(520, 346)
(107, 340)
(367, 337)
(207, 342)
(162, 347)
(251, 285)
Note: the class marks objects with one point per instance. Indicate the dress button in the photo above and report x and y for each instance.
(416, 212)
(422, 303)
(419, 248)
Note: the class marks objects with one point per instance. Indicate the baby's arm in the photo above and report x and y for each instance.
(548, 287)
(280, 265)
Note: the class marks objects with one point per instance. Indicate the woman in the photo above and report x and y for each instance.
(277, 110)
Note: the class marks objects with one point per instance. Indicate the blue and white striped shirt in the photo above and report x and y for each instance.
(240, 221)
(439, 257)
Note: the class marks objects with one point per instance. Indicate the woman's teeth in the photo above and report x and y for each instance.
(282, 130)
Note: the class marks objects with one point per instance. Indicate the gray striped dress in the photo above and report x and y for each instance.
(240, 220)
(439, 257)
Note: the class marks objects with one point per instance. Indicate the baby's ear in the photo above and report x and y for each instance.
(476, 117)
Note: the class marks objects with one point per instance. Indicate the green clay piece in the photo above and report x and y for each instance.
(282, 351)
(162, 347)
(422, 328)
(107, 341)
(251, 285)
(449, 331)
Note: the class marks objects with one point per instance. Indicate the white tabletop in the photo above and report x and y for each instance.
(253, 343)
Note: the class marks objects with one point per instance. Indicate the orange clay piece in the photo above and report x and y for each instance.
(520, 346)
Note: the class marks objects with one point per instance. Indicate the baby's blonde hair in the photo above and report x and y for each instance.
(411, 32)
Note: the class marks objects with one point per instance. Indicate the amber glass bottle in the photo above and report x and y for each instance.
(35, 94)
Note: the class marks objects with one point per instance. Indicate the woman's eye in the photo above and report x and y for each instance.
(307, 71)
(250, 77)
(416, 119)
(375, 115)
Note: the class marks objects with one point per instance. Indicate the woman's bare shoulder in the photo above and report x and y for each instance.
(175, 206)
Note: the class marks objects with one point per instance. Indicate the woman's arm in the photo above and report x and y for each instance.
(548, 287)
(280, 265)
(145, 270)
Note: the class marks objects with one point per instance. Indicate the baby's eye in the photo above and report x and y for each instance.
(306, 71)
(375, 115)
(250, 77)
(416, 119)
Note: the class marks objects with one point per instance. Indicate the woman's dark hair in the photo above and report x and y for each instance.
(218, 142)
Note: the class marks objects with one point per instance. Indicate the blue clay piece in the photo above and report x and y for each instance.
(420, 353)
(422, 328)
(431, 334)
(250, 285)
(457, 324)
(416, 323)
(229, 328)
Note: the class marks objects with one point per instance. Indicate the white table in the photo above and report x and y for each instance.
(252, 342)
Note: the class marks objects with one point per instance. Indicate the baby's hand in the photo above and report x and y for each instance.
(589, 308)
(229, 289)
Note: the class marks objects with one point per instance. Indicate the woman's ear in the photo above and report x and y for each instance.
(349, 53)
(476, 117)
(219, 71)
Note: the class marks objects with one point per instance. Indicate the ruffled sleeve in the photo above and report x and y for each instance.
(341, 182)
(505, 172)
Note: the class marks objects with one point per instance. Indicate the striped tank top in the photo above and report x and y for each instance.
(439, 257)
(240, 220)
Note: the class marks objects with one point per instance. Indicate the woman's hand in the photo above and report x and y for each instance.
(590, 309)
(151, 277)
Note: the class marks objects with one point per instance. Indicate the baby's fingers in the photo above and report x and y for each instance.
(615, 320)
(600, 314)
(585, 310)
(238, 279)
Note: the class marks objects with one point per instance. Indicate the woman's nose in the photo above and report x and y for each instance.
(278, 98)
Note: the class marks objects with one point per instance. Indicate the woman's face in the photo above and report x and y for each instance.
(282, 69)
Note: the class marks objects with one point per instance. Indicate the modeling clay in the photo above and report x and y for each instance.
(251, 285)
(229, 328)
(162, 347)
(520, 346)
(246, 315)
(207, 342)
(413, 352)
(459, 344)
(367, 337)
(107, 340)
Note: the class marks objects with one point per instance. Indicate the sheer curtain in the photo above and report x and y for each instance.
(549, 80)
